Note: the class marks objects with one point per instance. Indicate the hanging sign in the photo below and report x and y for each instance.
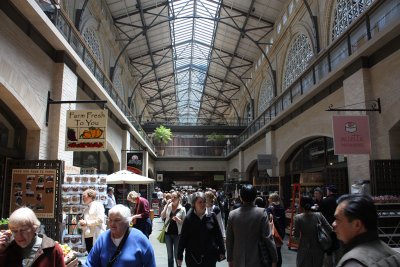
(34, 188)
(86, 130)
(351, 135)
(135, 162)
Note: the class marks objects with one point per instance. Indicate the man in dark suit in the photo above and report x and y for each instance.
(247, 225)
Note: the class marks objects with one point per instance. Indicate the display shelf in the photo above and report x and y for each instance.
(73, 206)
(389, 223)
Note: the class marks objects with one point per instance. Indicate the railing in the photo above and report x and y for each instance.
(147, 121)
(367, 26)
(73, 37)
(384, 14)
(191, 151)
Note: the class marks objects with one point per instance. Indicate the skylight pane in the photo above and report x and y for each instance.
(192, 42)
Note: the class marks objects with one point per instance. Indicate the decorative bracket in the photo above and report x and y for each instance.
(375, 106)
(51, 101)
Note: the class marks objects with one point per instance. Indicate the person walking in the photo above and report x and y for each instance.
(276, 213)
(93, 222)
(110, 199)
(121, 246)
(247, 226)
(201, 238)
(309, 253)
(355, 224)
(174, 214)
(211, 207)
(141, 213)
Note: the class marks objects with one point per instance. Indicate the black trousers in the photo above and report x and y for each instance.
(89, 244)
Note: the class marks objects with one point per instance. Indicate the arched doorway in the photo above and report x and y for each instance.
(315, 156)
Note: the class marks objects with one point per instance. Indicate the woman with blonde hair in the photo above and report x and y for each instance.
(211, 207)
(28, 247)
(93, 222)
(174, 214)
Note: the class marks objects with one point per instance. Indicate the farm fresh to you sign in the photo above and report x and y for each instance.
(86, 130)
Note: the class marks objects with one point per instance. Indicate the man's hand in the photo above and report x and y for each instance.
(274, 264)
(179, 262)
(230, 263)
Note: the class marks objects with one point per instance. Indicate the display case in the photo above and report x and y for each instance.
(73, 206)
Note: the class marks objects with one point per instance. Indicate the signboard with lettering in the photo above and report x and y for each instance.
(351, 135)
(86, 130)
(34, 188)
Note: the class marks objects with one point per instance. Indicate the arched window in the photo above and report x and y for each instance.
(92, 41)
(297, 59)
(249, 113)
(345, 12)
(118, 84)
(266, 96)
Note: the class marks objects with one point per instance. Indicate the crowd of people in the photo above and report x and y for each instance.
(206, 226)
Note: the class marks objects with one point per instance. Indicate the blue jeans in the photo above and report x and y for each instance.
(171, 241)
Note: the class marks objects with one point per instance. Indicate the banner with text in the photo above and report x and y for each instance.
(135, 162)
(351, 135)
(86, 130)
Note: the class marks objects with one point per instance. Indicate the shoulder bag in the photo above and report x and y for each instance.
(161, 236)
(119, 248)
(274, 232)
(324, 237)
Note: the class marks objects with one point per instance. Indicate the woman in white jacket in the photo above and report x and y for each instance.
(174, 214)
(93, 223)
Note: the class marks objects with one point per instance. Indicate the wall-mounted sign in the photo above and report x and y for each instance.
(86, 130)
(351, 135)
(34, 188)
(160, 177)
(265, 161)
(135, 162)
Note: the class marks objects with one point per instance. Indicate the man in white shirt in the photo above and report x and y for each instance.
(110, 199)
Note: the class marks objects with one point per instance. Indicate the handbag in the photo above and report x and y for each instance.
(275, 233)
(324, 237)
(161, 236)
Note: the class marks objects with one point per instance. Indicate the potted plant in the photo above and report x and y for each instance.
(162, 136)
(218, 141)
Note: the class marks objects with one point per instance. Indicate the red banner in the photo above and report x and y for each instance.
(351, 135)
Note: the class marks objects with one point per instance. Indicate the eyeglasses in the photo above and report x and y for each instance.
(21, 231)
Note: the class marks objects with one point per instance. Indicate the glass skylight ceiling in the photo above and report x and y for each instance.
(192, 40)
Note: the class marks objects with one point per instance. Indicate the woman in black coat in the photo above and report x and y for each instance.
(201, 237)
(277, 211)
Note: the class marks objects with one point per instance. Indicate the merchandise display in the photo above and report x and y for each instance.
(72, 206)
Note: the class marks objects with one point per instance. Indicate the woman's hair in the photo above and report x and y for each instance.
(24, 216)
(196, 196)
(132, 196)
(121, 210)
(275, 198)
(210, 194)
(90, 193)
(306, 203)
